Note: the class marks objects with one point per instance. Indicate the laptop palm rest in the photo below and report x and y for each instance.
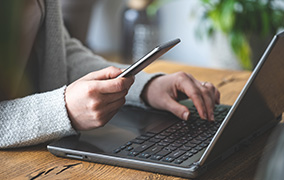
(127, 124)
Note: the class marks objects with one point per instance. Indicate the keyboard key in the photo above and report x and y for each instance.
(153, 150)
(170, 148)
(178, 161)
(144, 155)
(173, 137)
(117, 150)
(143, 147)
(185, 148)
(177, 127)
(221, 109)
(189, 144)
(128, 143)
(195, 141)
(199, 148)
(203, 144)
(205, 135)
(129, 148)
(193, 134)
(137, 141)
(193, 151)
(163, 144)
(184, 157)
(189, 154)
(156, 157)
(149, 134)
(201, 139)
(168, 140)
(180, 141)
(176, 154)
(160, 137)
(122, 147)
(132, 153)
(164, 133)
(176, 145)
(186, 138)
(168, 159)
(163, 152)
(154, 140)
(142, 137)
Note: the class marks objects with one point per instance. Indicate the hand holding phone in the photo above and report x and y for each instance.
(148, 58)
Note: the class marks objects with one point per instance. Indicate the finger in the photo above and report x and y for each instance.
(188, 86)
(214, 90)
(177, 109)
(112, 97)
(218, 96)
(209, 93)
(113, 85)
(199, 103)
(104, 100)
(103, 74)
(209, 100)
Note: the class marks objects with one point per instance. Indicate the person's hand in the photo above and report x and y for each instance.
(163, 92)
(93, 100)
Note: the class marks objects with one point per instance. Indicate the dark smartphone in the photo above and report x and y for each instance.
(148, 58)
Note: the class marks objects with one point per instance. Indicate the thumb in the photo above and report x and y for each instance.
(177, 109)
(103, 74)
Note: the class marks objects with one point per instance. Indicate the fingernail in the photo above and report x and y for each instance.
(185, 115)
(212, 118)
(205, 116)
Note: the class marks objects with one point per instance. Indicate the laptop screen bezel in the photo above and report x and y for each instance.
(218, 134)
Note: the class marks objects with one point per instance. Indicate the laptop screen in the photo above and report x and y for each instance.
(259, 104)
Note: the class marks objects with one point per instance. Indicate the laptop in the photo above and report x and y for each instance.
(159, 142)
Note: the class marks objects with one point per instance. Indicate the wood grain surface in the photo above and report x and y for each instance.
(37, 163)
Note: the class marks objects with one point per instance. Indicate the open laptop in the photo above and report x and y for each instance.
(159, 142)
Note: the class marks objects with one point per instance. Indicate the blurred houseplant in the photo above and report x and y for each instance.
(240, 21)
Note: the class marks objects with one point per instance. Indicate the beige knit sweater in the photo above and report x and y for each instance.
(61, 60)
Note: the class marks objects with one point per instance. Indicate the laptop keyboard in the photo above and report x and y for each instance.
(178, 142)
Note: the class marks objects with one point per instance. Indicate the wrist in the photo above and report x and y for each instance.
(145, 92)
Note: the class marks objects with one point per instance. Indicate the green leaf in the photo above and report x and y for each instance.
(239, 18)
(241, 48)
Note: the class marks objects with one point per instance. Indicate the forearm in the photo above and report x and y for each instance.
(34, 119)
(81, 60)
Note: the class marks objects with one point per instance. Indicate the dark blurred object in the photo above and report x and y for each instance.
(139, 30)
(10, 13)
(272, 164)
(77, 15)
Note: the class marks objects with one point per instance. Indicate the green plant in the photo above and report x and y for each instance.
(154, 6)
(239, 19)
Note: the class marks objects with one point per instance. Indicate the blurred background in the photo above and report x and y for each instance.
(229, 34)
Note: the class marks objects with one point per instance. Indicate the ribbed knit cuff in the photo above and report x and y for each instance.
(134, 95)
(34, 119)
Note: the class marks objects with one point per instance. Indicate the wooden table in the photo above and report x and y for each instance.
(37, 163)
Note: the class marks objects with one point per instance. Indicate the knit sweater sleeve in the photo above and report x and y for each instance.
(34, 119)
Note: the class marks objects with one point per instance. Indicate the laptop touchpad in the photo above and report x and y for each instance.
(126, 125)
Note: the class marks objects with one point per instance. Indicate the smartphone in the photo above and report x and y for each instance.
(148, 58)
